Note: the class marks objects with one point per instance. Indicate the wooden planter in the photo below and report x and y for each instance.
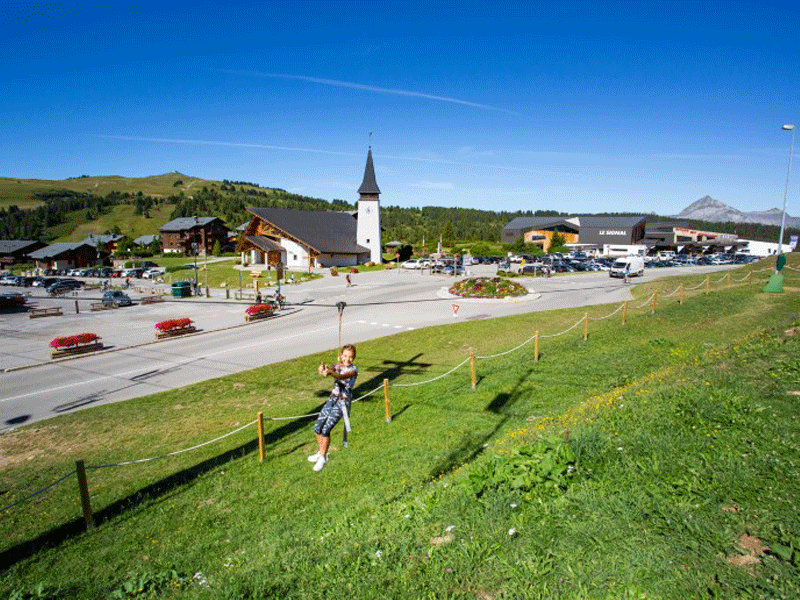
(73, 350)
(175, 332)
(257, 316)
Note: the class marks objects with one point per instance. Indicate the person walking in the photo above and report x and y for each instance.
(344, 373)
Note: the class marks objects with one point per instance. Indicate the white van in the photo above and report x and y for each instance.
(634, 265)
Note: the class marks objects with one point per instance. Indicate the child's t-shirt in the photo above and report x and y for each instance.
(344, 387)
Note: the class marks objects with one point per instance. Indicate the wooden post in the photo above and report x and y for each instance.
(77, 310)
(680, 294)
(750, 277)
(472, 365)
(260, 437)
(80, 467)
(728, 282)
(386, 398)
(536, 346)
(653, 303)
(707, 278)
(585, 326)
(625, 312)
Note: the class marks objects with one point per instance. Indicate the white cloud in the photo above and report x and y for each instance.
(372, 88)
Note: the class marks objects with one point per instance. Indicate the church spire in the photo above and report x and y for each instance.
(369, 186)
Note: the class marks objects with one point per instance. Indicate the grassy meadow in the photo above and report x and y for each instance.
(655, 459)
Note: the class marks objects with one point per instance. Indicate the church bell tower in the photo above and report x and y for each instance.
(368, 229)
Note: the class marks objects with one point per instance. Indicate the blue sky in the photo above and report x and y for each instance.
(574, 106)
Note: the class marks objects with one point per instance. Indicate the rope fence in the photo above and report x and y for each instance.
(624, 307)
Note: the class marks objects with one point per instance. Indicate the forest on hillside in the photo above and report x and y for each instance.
(229, 201)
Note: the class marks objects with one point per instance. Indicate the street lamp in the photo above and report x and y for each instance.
(195, 251)
(786, 191)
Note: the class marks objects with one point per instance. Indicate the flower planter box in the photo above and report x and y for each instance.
(259, 311)
(80, 349)
(175, 332)
(258, 315)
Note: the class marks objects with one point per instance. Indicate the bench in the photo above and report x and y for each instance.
(104, 305)
(150, 299)
(54, 311)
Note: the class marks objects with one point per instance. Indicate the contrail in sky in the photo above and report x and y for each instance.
(371, 88)
(442, 161)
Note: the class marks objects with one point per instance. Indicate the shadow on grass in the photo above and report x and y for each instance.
(469, 449)
(156, 490)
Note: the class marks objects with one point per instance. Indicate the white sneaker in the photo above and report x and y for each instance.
(320, 464)
(313, 457)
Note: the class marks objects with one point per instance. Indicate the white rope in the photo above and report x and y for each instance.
(458, 366)
(507, 351)
(675, 291)
(607, 316)
(144, 460)
(646, 302)
(41, 491)
(721, 279)
(565, 331)
(698, 286)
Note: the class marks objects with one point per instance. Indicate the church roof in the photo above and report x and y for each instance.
(324, 231)
(369, 185)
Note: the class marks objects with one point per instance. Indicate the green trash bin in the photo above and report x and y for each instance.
(181, 289)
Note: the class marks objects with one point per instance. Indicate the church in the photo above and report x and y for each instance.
(307, 239)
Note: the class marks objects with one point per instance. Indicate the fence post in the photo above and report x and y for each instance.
(728, 280)
(750, 277)
(707, 278)
(625, 312)
(386, 398)
(536, 346)
(585, 326)
(653, 303)
(472, 365)
(680, 294)
(260, 437)
(77, 310)
(80, 467)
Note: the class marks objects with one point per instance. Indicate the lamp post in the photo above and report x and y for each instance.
(786, 191)
(195, 252)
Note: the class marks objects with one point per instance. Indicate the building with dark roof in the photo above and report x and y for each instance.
(65, 255)
(16, 251)
(584, 231)
(305, 239)
(192, 235)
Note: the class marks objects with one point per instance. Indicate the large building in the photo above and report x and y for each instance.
(592, 233)
(192, 235)
(305, 239)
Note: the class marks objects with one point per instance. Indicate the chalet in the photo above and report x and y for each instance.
(106, 243)
(305, 239)
(16, 251)
(193, 235)
(65, 255)
(144, 240)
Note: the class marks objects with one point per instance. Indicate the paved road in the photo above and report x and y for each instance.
(378, 304)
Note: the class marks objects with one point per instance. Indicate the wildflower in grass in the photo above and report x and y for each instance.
(513, 505)
(512, 532)
(450, 528)
(378, 553)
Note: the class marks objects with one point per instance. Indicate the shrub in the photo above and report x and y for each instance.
(487, 287)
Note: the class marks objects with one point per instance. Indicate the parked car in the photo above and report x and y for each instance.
(12, 300)
(154, 273)
(8, 280)
(411, 263)
(116, 298)
(64, 285)
(451, 270)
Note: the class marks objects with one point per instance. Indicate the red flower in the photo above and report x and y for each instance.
(74, 340)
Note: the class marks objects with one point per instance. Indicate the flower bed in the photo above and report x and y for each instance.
(258, 309)
(75, 344)
(73, 340)
(173, 324)
(487, 287)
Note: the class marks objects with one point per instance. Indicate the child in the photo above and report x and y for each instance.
(345, 373)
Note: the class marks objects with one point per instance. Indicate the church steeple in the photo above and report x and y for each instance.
(369, 187)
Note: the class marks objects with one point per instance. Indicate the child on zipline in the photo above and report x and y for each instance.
(345, 373)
